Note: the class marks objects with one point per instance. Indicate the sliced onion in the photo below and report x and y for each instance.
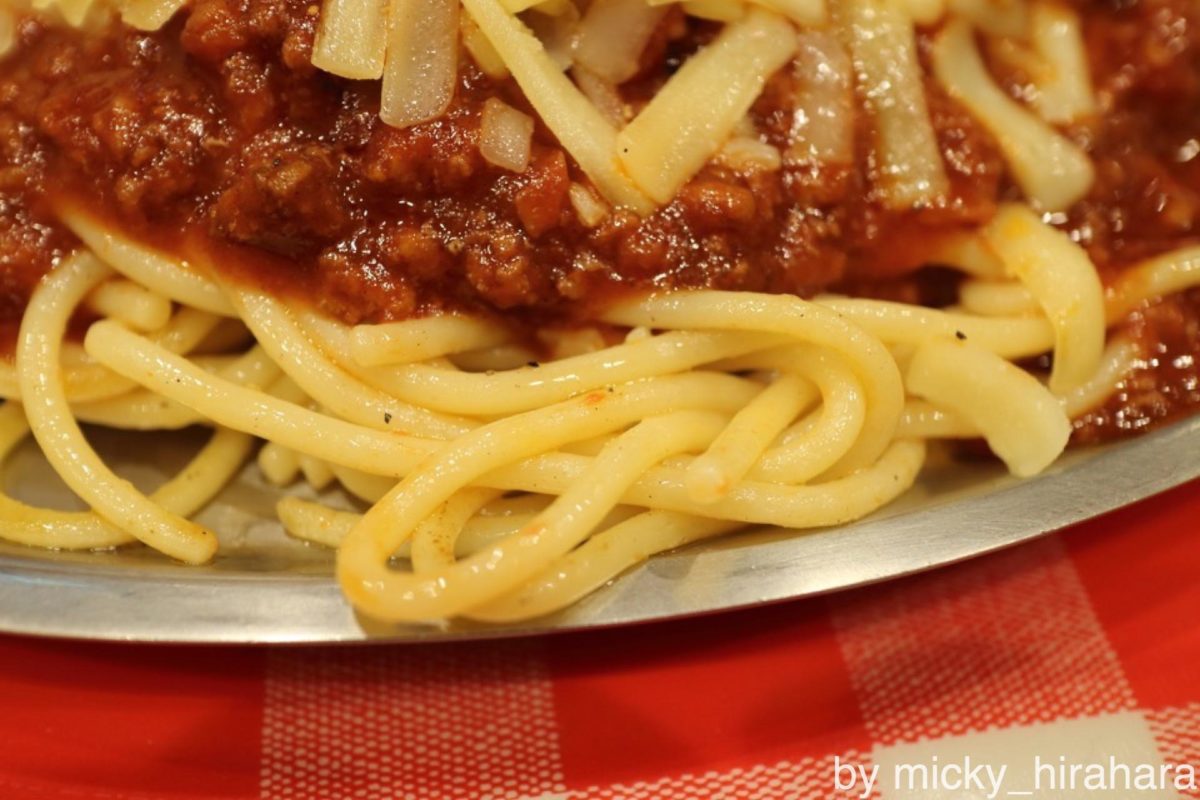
(570, 116)
(749, 154)
(590, 209)
(613, 35)
(603, 94)
(823, 122)
(505, 135)
(149, 15)
(351, 37)
(421, 67)
(557, 29)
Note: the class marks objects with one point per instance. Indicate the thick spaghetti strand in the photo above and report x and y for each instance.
(54, 427)
(381, 592)
(597, 561)
(807, 322)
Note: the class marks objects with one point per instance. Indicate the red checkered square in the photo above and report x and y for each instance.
(1141, 569)
(115, 722)
(752, 688)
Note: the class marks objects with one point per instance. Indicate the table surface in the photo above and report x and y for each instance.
(1039, 663)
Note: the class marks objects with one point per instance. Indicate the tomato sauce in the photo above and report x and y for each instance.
(217, 134)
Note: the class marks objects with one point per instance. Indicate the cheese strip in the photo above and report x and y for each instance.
(883, 44)
(149, 15)
(351, 38)
(481, 50)
(695, 112)
(580, 128)
(1049, 168)
(823, 121)
(1064, 86)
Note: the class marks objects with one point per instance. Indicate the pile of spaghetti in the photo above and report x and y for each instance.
(554, 287)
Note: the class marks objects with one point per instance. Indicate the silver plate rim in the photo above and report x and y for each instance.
(40, 597)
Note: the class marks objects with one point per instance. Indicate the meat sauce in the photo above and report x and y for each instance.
(217, 134)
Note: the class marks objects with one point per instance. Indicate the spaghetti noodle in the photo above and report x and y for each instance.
(508, 467)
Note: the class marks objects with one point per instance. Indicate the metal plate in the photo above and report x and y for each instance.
(266, 588)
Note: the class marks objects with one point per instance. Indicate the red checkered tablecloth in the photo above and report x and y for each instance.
(1078, 648)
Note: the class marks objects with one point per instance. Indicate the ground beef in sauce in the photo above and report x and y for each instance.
(218, 130)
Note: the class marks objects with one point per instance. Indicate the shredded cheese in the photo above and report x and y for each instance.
(351, 38)
(695, 112)
(883, 44)
(8, 31)
(576, 123)
(1051, 170)
(149, 15)
(481, 50)
(1064, 86)
(822, 130)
